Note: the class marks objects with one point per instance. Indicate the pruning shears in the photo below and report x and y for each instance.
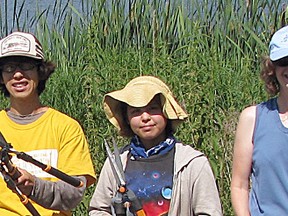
(125, 200)
(11, 173)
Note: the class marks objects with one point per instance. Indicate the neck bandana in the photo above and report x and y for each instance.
(138, 151)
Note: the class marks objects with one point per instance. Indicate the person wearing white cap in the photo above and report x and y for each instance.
(259, 174)
(167, 176)
(45, 134)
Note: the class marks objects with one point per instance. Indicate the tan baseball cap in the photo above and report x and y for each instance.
(138, 93)
(21, 44)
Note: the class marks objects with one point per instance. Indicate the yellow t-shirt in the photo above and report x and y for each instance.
(54, 139)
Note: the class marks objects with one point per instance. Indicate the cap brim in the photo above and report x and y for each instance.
(279, 54)
(21, 55)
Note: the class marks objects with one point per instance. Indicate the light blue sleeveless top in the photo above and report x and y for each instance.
(269, 192)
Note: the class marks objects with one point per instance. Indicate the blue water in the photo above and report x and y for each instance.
(21, 13)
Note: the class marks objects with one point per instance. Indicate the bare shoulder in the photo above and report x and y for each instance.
(245, 127)
(248, 114)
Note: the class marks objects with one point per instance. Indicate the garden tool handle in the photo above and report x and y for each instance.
(47, 168)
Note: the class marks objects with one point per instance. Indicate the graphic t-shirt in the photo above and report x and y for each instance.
(151, 181)
(54, 139)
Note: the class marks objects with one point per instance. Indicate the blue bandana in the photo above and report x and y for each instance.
(138, 151)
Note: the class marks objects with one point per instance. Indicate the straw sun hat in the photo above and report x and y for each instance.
(138, 93)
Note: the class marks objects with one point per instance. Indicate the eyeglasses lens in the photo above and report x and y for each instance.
(11, 67)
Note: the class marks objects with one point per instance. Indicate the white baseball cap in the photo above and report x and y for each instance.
(21, 44)
(278, 47)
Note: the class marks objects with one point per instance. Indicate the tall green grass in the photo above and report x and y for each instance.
(208, 52)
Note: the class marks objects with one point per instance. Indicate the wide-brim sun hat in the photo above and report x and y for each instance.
(138, 93)
(278, 47)
(21, 44)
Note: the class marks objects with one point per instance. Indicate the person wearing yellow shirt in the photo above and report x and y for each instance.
(47, 135)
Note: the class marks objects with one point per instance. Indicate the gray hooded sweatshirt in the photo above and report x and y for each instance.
(194, 191)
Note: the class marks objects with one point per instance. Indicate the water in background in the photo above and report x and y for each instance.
(20, 14)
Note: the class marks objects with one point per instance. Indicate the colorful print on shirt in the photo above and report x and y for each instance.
(151, 181)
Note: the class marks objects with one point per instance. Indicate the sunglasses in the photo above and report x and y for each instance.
(11, 67)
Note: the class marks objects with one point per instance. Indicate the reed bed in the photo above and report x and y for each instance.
(208, 52)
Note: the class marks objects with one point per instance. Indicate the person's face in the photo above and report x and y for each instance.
(148, 122)
(20, 77)
(282, 76)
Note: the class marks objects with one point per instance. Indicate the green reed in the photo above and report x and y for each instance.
(208, 52)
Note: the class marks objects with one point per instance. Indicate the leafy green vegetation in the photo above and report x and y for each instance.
(208, 52)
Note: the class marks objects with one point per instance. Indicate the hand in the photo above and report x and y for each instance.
(25, 182)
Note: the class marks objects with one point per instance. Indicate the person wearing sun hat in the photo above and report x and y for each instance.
(144, 89)
(167, 176)
(260, 149)
(47, 135)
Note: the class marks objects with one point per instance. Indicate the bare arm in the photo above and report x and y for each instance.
(242, 162)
